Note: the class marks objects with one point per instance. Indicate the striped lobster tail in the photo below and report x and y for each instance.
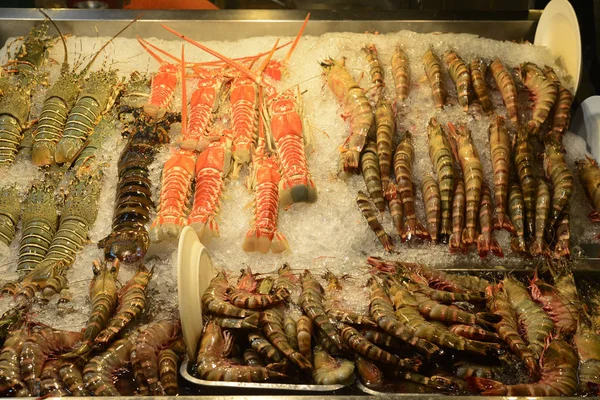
(10, 209)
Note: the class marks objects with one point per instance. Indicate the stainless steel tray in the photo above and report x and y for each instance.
(261, 386)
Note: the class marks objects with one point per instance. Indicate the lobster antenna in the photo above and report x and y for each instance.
(183, 95)
(88, 66)
(253, 58)
(289, 54)
(155, 47)
(62, 38)
(256, 78)
(269, 56)
(153, 54)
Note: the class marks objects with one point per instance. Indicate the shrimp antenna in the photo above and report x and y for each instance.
(183, 95)
(62, 38)
(145, 43)
(289, 54)
(89, 65)
(269, 56)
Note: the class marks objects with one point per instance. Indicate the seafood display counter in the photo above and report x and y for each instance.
(312, 149)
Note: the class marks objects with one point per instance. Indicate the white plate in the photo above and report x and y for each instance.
(586, 123)
(558, 30)
(194, 272)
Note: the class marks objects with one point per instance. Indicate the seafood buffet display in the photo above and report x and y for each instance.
(277, 156)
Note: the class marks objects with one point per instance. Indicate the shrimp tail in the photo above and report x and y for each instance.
(495, 248)
(505, 224)
(469, 234)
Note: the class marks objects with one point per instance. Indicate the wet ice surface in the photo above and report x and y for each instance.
(330, 234)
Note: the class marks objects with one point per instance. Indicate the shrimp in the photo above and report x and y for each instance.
(263, 347)
(369, 164)
(459, 204)
(465, 151)
(51, 382)
(433, 70)
(558, 375)
(213, 366)
(375, 69)
(501, 155)
(243, 297)
(386, 128)
(291, 333)
(11, 379)
(253, 359)
(403, 160)
(464, 369)
(250, 322)
(587, 343)
(562, 248)
(564, 314)
(562, 181)
(542, 210)
(98, 373)
(507, 88)
(103, 296)
(144, 354)
(474, 333)
(478, 72)
(401, 72)
(356, 108)
(395, 206)
(536, 323)
(543, 91)
(431, 198)
(517, 207)
(524, 163)
(168, 361)
(486, 240)
(442, 296)
(329, 371)
(440, 153)
(589, 176)
(364, 205)
(562, 106)
(272, 322)
(460, 75)
(71, 374)
(304, 329)
(215, 299)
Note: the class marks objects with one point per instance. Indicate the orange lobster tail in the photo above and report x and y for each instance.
(161, 94)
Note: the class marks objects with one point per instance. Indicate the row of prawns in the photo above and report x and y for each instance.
(38, 360)
(257, 125)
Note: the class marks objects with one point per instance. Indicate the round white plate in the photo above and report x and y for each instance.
(558, 30)
(194, 272)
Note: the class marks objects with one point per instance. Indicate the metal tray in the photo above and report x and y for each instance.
(257, 386)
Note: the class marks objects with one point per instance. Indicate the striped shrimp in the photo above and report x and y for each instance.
(291, 333)
(99, 372)
(212, 166)
(536, 323)
(459, 204)
(587, 343)
(356, 108)
(311, 300)
(403, 161)
(507, 88)
(52, 385)
(357, 342)
(38, 347)
(542, 210)
(10, 210)
(250, 322)
(253, 359)
(144, 354)
(131, 300)
(263, 347)
(304, 329)
(433, 70)
(442, 296)
(331, 371)
(58, 103)
(11, 379)
(501, 162)
(386, 127)
(71, 374)
(474, 333)
(286, 280)
(564, 314)
(562, 107)
(465, 151)
(272, 323)
(40, 217)
(14, 112)
(375, 68)
(589, 177)
(401, 72)
(478, 72)
(168, 363)
(215, 299)
(103, 296)
(364, 205)
(562, 181)
(129, 239)
(370, 375)
(371, 172)
(558, 375)
(382, 311)
(543, 91)
(459, 71)
(100, 90)
(381, 338)
(516, 208)
(214, 366)
(247, 299)
(396, 209)
(431, 198)
(486, 240)
(440, 153)
(264, 179)
(562, 247)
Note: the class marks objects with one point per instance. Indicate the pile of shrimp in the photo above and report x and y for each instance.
(425, 330)
(529, 199)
